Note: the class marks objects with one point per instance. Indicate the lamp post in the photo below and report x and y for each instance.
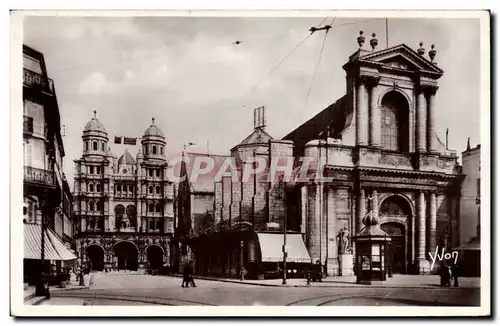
(82, 281)
(40, 287)
(284, 235)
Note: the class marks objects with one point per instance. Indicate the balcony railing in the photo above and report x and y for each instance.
(35, 80)
(39, 176)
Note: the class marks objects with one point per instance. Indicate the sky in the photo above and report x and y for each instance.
(201, 88)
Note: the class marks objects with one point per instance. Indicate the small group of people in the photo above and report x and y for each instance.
(448, 274)
(315, 273)
(187, 275)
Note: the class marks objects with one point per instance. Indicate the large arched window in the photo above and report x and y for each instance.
(394, 122)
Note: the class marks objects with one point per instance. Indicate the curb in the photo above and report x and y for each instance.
(331, 286)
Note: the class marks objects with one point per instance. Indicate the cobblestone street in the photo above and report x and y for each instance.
(123, 289)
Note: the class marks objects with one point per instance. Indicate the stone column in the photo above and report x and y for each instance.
(313, 222)
(432, 222)
(422, 263)
(375, 202)
(374, 114)
(361, 112)
(332, 261)
(421, 121)
(304, 213)
(431, 114)
(361, 209)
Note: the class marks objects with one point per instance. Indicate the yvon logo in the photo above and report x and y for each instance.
(444, 255)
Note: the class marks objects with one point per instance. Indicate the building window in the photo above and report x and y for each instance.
(158, 208)
(91, 170)
(157, 190)
(91, 188)
(91, 206)
(161, 150)
(158, 172)
(152, 225)
(119, 188)
(154, 149)
(98, 188)
(98, 170)
(394, 122)
(479, 187)
(102, 146)
(145, 150)
(94, 146)
(151, 208)
(86, 145)
(131, 189)
(150, 172)
(150, 189)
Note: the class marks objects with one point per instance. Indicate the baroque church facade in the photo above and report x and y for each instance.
(123, 206)
(383, 156)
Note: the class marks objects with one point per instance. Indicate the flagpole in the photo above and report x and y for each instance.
(387, 32)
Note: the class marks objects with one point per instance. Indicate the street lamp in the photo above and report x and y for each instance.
(284, 235)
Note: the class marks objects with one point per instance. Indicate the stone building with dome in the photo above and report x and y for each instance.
(123, 206)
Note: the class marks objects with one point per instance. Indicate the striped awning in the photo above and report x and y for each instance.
(271, 246)
(54, 248)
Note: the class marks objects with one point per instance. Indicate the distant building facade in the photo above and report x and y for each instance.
(124, 206)
(47, 196)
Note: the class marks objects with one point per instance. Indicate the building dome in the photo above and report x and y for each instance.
(94, 125)
(153, 131)
(126, 158)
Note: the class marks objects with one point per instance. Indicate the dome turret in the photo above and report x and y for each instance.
(153, 143)
(153, 131)
(95, 138)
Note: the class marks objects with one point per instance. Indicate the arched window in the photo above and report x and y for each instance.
(158, 172)
(87, 145)
(150, 189)
(158, 208)
(98, 188)
(92, 224)
(91, 206)
(152, 224)
(394, 122)
(151, 207)
(91, 187)
(131, 188)
(161, 150)
(119, 188)
(145, 150)
(154, 149)
(91, 170)
(102, 146)
(94, 145)
(157, 190)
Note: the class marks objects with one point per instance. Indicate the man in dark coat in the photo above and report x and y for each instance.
(454, 273)
(187, 276)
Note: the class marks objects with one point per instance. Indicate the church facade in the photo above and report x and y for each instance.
(382, 153)
(124, 206)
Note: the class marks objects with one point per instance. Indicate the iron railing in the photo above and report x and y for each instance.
(36, 80)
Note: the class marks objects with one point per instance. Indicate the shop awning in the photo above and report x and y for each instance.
(54, 248)
(271, 247)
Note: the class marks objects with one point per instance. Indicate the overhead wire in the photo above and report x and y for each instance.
(317, 64)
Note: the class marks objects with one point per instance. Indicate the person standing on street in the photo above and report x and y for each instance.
(190, 277)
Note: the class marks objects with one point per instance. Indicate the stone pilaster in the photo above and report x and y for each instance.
(431, 118)
(332, 261)
(432, 222)
(422, 263)
(304, 209)
(361, 112)
(421, 121)
(313, 222)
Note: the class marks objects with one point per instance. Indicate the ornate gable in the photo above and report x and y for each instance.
(402, 57)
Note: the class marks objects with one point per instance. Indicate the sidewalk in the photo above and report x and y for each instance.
(31, 299)
(398, 281)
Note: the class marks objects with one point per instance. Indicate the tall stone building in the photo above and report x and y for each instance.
(381, 146)
(124, 206)
(46, 195)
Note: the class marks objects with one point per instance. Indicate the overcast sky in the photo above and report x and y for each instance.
(188, 74)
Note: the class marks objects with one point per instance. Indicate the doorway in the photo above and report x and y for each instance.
(396, 252)
(96, 257)
(126, 256)
(155, 256)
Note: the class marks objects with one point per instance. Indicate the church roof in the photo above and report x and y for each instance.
(258, 136)
(126, 158)
(339, 114)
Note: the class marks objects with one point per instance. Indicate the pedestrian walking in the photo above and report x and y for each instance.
(187, 275)
(454, 273)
